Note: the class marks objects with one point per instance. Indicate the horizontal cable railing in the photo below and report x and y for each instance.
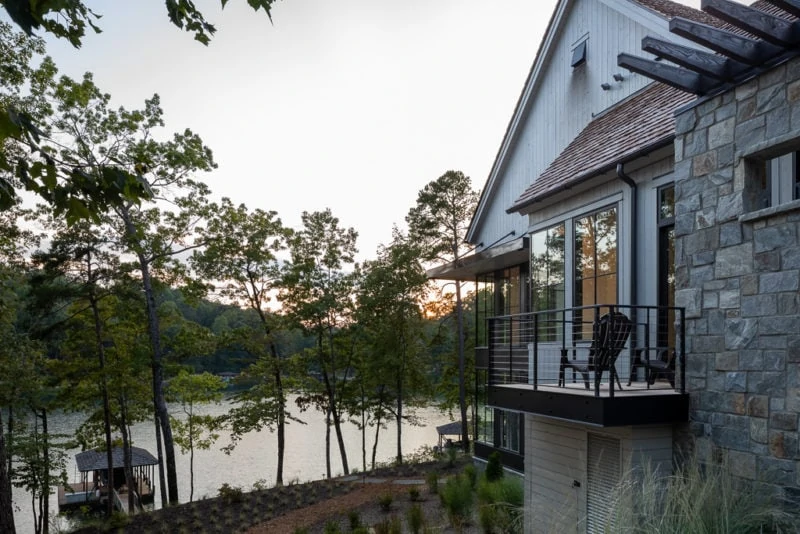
(598, 347)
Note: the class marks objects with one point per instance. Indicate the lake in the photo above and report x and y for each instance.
(254, 459)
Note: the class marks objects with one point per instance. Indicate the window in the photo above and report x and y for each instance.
(547, 278)
(484, 308)
(595, 265)
(484, 431)
(778, 182)
(509, 430)
(666, 264)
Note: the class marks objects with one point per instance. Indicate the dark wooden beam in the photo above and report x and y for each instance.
(705, 63)
(685, 80)
(772, 29)
(743, 49)
(790, 6)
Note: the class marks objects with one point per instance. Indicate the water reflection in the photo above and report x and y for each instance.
(254, 458)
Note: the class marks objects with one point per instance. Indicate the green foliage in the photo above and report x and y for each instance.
(697, 497)
(471, 473)
(385, 501)
(354, 518)
(452, 455)
(494, 467)
(390, 525)
(68, 19)
(432, 480)
(415, 518)
(458, 500)
(501, 505)
(230, 494)
(332, 527)
(413, 494)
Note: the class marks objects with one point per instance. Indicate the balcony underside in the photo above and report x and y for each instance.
(633, 405)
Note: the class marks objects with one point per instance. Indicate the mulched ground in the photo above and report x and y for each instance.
(286, 509)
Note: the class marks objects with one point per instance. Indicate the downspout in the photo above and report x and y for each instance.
(634, 262)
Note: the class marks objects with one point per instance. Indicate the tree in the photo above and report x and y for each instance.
(69, 19)
(241, 256)
(390, 311)
(195, 431)
(439, 222)
(30, 156)
(103, 141)
(317, 294)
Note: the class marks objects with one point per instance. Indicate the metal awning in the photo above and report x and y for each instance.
(488, 260)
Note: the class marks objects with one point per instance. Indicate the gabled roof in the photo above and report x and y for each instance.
(634, 127)
(98, 460)
(663, 8)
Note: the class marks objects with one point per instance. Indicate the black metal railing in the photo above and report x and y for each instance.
(563, 347)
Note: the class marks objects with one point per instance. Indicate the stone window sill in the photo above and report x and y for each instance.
(766, 213)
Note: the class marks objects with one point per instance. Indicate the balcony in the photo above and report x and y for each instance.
(543, 363)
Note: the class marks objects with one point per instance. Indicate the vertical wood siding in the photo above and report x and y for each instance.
(565, 100)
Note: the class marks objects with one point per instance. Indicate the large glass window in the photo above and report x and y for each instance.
(509, 430)
(666, 264)
(595, 264)
(547, 278)
(484, 426)
(484, 307)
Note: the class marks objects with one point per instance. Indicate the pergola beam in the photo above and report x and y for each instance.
(790, 6)
(705, 63)
(772, 29)
(742, 49)
(685, 80)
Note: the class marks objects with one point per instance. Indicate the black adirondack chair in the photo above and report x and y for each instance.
(609, 335)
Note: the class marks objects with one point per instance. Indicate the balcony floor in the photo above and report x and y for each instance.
(632, 405)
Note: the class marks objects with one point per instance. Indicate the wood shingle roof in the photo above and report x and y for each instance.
(635, 126)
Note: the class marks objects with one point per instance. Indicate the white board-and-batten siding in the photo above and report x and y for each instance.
(561, 100)
(556, 468)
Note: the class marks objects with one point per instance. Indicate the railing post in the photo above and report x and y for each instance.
(683, 350)
(510, 351)
(535, 334)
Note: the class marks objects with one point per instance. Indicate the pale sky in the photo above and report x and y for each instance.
(353, 105)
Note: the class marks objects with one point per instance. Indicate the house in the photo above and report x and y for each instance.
(673, 202)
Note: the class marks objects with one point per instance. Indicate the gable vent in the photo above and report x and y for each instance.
(579, 54)
(603, 475)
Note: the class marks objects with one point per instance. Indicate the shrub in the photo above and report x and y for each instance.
(501, 505)
(413, 494)
(471, 473)
(301, 530)
(385, 501)
(332, 527)
(452, 454)
(458, 500)
(230, 494)
(697, 498)
(494, 467)
(355, 519)
(432, 479)
(415, 518)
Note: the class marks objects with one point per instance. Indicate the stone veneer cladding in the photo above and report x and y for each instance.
(738, 275)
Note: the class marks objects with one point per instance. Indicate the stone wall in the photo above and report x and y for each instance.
(738, 275)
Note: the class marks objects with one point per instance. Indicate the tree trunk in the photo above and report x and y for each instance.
(45, 494)
(154, 332)
(126, 457)
(281, 422)
(191, 463)
(328, 442)
(333, 412)
(399, 421)
(6, 506)
(462, 387)
(101, 354)
(160, 456)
